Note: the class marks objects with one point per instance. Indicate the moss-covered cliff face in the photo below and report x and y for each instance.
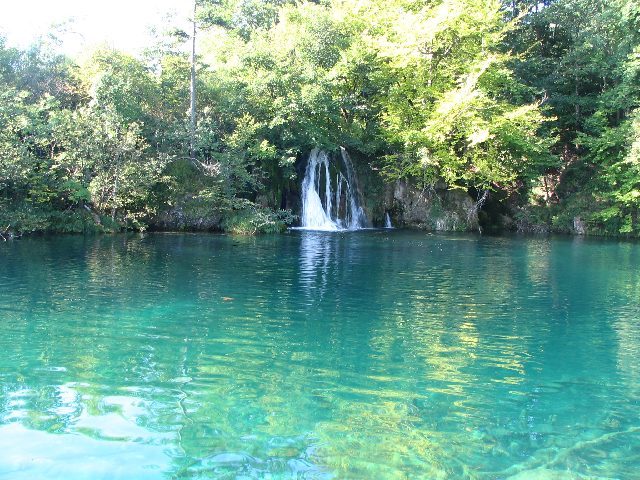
(188, 215)
(434, 208)
(241, 218)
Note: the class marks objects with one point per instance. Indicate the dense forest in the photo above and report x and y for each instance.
(532, 107)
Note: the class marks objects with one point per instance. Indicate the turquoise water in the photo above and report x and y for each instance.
(368, 355)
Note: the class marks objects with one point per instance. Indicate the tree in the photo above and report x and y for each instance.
(579, 56)
(192, 89)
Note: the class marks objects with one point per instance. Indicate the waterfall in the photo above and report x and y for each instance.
(387, 221)
(331, 205)
(355, 216)
(314, 214)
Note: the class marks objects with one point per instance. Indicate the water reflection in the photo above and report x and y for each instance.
(369, 355)
(29, 454)
(317, 254)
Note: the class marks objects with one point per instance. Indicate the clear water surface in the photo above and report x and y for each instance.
(369, 355)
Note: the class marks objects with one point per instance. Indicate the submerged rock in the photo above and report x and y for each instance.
(544, 474)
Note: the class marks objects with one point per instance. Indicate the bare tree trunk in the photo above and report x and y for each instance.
(192, 151)
(113, 197)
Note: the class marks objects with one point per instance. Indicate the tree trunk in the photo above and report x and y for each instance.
(115, 193)
(192, 151)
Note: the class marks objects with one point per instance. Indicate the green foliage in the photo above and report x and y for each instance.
(579, 55)
(122, 84)
(617, 189)
(460, 121)
(247, 218)
(478, 94)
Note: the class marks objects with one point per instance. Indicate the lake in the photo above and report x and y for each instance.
(360, 355)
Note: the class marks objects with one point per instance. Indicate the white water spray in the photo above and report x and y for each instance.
(387, 221)
(328, 205)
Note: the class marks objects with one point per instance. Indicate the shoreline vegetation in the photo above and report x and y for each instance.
(459, 115)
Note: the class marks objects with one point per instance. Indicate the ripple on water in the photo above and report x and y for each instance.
(315, 355)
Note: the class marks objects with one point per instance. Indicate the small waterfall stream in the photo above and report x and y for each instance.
(330, 196)
(387, 221)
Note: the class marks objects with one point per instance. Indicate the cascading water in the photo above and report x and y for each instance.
(387, 221)
(355, 216)
(331, 204)
(314, 214)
